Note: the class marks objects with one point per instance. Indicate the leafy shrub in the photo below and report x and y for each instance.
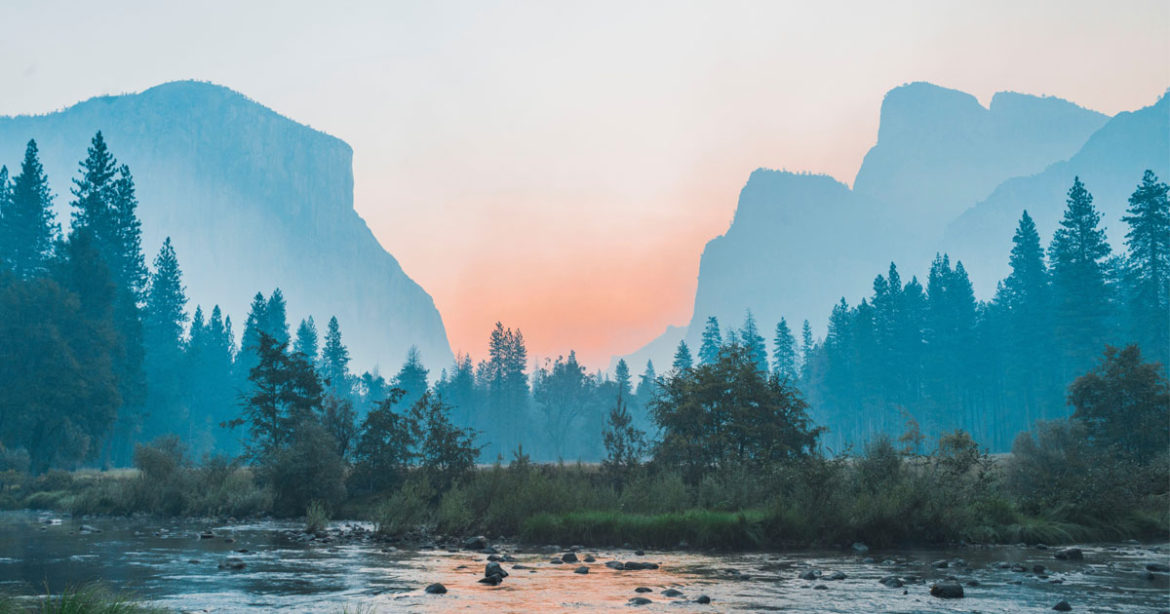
(407, 510)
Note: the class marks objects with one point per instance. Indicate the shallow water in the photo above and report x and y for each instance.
(167, 563)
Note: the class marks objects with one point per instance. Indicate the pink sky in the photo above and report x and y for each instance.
(559, 166)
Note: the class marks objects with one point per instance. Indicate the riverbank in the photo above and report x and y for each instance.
(821, 503)
(261, 566)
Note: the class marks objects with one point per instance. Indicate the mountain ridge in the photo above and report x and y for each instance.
(239, 186)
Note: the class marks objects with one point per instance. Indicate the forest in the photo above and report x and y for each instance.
(106, 365)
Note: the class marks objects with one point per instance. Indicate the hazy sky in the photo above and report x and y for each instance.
(559, 166)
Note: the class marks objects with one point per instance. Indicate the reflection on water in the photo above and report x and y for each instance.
(168, 562)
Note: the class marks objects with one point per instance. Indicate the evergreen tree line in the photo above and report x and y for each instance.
(935, 358)
(118, 359)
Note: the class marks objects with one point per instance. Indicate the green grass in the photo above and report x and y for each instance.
(316, 517)
(697, 528)
(89, 599)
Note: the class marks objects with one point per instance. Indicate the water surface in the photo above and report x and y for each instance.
(167, 562)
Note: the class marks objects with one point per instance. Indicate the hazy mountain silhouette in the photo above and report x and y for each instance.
(252, 201)
(800, 242)
(1110, 164)
(938, 150)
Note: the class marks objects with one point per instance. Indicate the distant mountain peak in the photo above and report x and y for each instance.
(253, 201)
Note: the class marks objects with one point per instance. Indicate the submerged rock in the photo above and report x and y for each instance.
(672, 592)
(1158, 567)
(703, 599)
(581, 570)
(642, 589)
(836, 575)
(232, 563)
(892, 582)
(435, 589)
(615, 565)
(810, 574)
(1062, 606)
(639, 601)
(947, 590)
(1069, 554)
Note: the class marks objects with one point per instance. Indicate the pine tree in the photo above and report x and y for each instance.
(307, 340)
(27, 225)
(712, 342)
(622, 377)
(751, 339)
(1148, 266)
(276, 317)
(334, 360)
(164, 317)
(5, 196)
(624, 444)
(682, 357)
(1024, 298)
(1078, 253)
(806, 349)
(784, 351)
(647, 385)
(130, 263)
(412, 378)
(104, 208)
(506, 384)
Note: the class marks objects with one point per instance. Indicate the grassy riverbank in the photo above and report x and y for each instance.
(90, 599)
(882, 497)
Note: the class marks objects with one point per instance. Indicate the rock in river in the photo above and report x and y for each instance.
(233, 563)
(947, 590)
(494, 569)
(1062, 606)
(1069, 554)
(436, 589)
(810, 574)
(639, 601)
(581, 570)
(569, 557)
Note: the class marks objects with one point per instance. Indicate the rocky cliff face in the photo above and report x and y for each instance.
(252, 201)
(799, 243)
(1110, 164)
(939, 150)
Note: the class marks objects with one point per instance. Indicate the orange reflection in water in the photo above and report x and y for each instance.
(547, 587)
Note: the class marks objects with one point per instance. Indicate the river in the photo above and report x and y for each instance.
(167, 563)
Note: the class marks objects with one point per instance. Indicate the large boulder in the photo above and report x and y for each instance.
(947, 590)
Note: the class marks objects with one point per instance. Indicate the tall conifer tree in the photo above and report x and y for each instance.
(27, 224)
(682, 357)
(1148, 267)
(784, 351)
(712, 342)
(1078, 254)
